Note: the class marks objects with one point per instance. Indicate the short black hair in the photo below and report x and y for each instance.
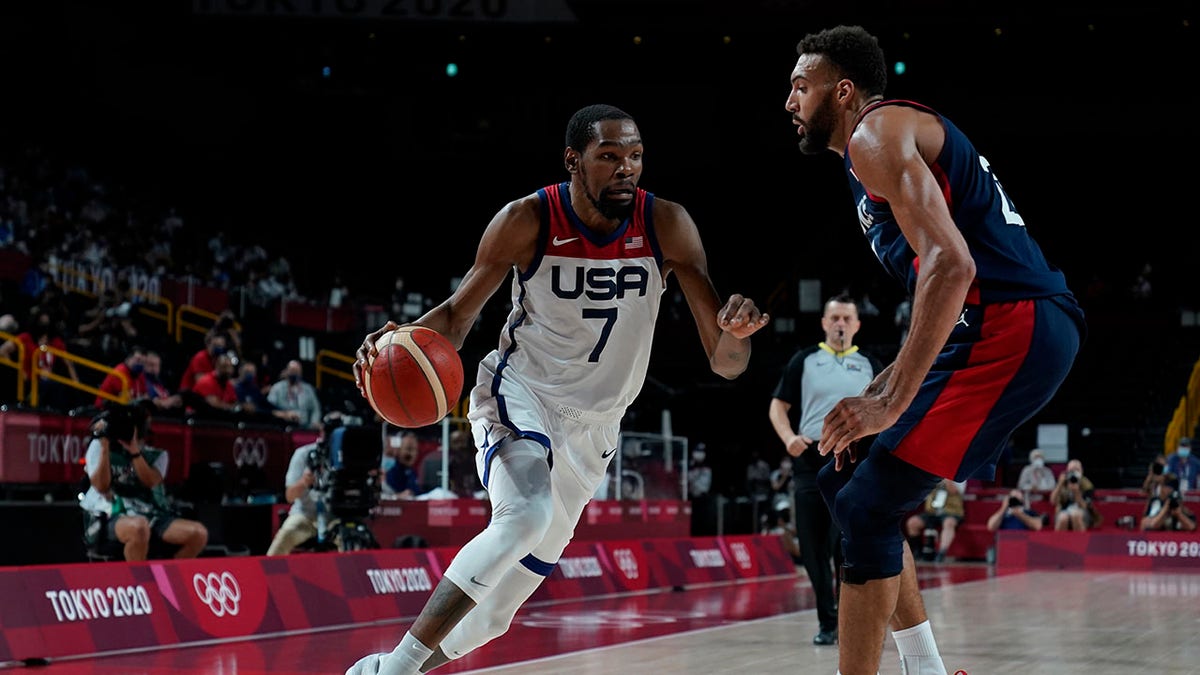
(581, 130)
(843, 298)
(854, 52)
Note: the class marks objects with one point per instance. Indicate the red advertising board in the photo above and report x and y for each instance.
(95, 608)
(1104, 550)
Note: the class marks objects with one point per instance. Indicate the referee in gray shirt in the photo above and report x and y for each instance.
(814, 379)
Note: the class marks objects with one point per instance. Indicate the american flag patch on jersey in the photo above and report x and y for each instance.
(633, 242)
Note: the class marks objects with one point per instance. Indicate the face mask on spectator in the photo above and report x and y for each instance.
(293, 378)
(1038, 462)
(136, 369)
(1184, 451)
(388, 463)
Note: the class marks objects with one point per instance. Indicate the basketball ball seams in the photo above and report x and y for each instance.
(421, 359)
(415, 378)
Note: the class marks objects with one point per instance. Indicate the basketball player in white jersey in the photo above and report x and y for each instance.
(589, 259)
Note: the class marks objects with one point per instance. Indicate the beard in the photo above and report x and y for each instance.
(611, 209)
(818, 129)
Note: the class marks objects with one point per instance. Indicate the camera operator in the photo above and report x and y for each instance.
(1014, 514)
(1165, 510)
(126, 499)
(305, 487)
(1072, 499)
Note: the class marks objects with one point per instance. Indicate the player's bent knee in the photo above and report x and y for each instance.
(525, 522)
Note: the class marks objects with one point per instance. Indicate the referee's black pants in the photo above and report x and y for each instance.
(820, 551)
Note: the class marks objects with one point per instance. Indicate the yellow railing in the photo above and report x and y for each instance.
(16, 364)
(326, 355)
(40, 372)
(182, 321)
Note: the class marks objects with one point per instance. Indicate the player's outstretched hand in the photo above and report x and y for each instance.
(367, 351)
(740, 317)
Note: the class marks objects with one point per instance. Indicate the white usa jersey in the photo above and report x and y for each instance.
(579, 335)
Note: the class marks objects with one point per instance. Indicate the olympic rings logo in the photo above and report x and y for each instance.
(220, 592)
(251, 450)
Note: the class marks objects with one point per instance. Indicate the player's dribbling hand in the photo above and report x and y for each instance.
(365, 352)
(740, 317)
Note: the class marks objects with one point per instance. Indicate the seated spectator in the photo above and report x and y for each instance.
(938, 520)
(1036, 477)
(291, 392)
(127, 376)
(203, 360)
(1154, 475)
(463, 479)
(1072, 499)
(250, 396)
(126, 500)
(1165, 510)
(214, 391)
(400, 478)
(156, 390)
(1014, 514)
(1185, 467)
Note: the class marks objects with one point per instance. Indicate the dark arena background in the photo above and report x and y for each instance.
(370, 139)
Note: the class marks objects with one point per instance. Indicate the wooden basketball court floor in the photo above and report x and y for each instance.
(1060, 622)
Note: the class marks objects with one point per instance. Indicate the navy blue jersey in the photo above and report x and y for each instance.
(1009, 265)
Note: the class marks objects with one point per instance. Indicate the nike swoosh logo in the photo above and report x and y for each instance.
(478, 582)
(608, 454)
(560, 242)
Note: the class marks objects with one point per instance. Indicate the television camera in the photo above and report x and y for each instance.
(345, 465)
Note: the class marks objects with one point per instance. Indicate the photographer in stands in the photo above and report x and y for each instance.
(126, 500)
(1014, 514)
(1072, 499)
(301, 523)
(332, 485)
(1165, 510)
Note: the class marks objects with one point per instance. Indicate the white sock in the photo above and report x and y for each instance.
(918, 650)
(406, 658)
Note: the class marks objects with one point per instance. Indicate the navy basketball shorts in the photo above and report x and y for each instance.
(1001, 364)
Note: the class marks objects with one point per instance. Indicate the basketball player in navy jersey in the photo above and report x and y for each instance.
(994, 331)
(590, 259)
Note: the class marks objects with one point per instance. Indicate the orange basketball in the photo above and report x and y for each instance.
(415, 379)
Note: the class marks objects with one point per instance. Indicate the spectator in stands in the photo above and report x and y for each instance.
(699, 473)
(156, 389)
(126, 499)
(214, 391)
(250, 396)
(1036, 477)
(1185, 466)
(1073, 500)
(1014, 514)
(203, 360)
(758, 478)
(1154, 475)
(43, 331)
(291, 392)
(106, 331)
(228, 326)
(937, 523)
(127, 376)
(305, 514)
(1165, 510)
(782, 481)
(400, 478)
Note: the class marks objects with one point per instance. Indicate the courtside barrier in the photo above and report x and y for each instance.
(1019, 550)
(53, 612)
